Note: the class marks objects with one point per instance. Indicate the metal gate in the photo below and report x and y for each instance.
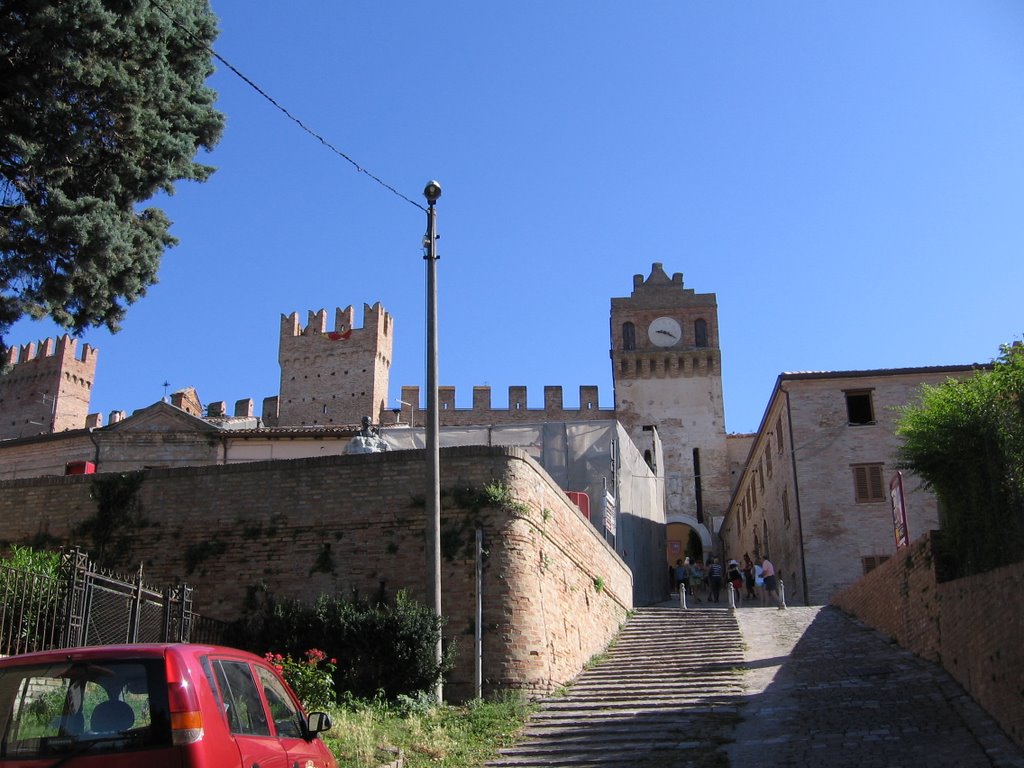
(85, 606)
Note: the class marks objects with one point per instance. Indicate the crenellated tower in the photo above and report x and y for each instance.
(334, 377)
(46, 388)
(667, 371)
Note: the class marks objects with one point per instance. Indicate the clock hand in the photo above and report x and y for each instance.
(667, 333)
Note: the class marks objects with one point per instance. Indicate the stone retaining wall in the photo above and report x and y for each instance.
(973, 627)
(554, 592)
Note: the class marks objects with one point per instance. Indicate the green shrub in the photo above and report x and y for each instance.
(386, 648)
(33, 561)
(965, 439)
(29, 595)
(312, 679)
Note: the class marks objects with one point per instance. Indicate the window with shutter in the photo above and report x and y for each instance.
(870, 562)
(867, 482)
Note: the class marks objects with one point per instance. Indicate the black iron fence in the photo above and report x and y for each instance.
(84, 606)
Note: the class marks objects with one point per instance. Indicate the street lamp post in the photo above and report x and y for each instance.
(432, 192)
(412, 412)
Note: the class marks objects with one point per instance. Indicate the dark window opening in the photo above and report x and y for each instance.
(628, 336)
(700, 333)
(859, 409)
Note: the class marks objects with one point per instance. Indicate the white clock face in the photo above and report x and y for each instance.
(664, 332)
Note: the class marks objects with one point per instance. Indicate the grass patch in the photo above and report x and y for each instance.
(366, 735)
(596, 659)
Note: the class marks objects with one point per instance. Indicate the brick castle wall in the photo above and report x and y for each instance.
(337, 377)
(554, 592)
(517, 412)
(47, 387)
(973, 627)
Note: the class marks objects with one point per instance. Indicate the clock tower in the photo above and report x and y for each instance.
(667, 372)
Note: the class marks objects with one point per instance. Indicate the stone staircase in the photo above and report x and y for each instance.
(666, 694)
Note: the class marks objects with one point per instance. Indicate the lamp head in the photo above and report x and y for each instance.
(432, 192)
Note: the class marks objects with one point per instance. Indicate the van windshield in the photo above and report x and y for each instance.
(78, 706)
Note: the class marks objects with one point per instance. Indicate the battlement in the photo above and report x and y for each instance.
(244, 409)
(374, 317)
(483, 413)
(662, 292)
(659, 277)
(58, 350)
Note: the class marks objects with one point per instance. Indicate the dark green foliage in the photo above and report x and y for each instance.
(29, 596)
(197, 554)
(103, 103)
(324, 561)
(387, 647)
(33, 560)
(117, 515)
(966, 440)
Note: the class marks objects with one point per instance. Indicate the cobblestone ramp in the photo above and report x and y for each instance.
(666, 694)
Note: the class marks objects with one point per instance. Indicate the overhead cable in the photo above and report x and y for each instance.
(284, 110)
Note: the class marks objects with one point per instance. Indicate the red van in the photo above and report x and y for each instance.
(160, 705)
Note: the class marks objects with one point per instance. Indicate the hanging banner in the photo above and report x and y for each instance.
(899, 512)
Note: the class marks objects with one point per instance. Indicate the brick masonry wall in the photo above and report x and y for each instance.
(554, 592)
(334, 377)
(973, 627)
(483, 413)
(47, 388)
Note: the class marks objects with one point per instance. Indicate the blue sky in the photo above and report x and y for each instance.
(847, 177)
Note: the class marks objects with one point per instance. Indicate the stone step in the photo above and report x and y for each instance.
(667, 685)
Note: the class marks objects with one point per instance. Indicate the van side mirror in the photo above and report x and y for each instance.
(318, 722)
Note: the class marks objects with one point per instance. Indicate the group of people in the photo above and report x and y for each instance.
(753, 582)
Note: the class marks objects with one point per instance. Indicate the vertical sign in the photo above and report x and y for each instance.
(899, 512)
(609, 514)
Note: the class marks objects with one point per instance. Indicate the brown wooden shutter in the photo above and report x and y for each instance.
(876, 486)
(867, 480)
